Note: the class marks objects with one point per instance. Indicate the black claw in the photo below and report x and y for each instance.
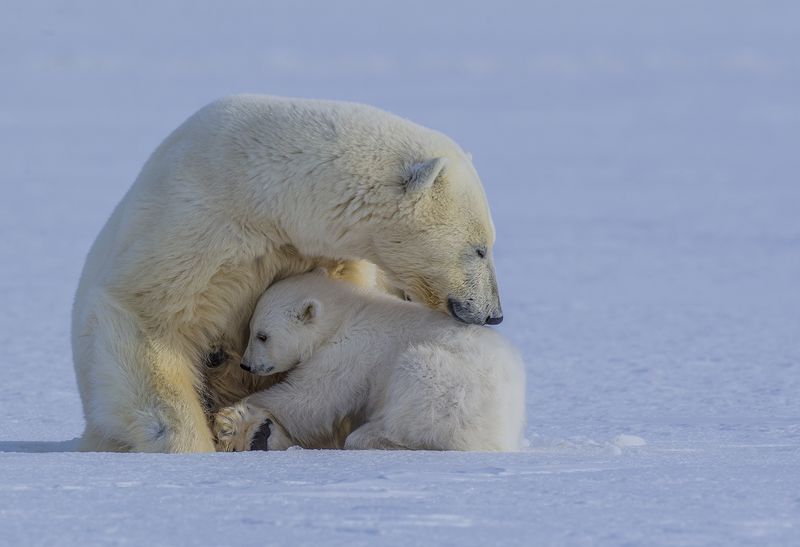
(260, 438)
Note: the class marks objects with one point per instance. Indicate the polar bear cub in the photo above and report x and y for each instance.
(371, 371)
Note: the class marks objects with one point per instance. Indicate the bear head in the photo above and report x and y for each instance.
(286, 326)
(438, 247)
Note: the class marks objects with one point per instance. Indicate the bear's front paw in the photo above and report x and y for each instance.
(231, 427)
(242, 427)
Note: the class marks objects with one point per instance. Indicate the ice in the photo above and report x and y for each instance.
(641, 163)
(622, 440)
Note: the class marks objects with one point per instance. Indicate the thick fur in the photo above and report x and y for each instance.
(392, 374)
(249, 190)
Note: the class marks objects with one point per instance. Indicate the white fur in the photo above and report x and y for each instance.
(249, 190)
(395, 373)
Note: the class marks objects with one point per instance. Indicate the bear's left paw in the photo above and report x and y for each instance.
(243, 426)
(234, 427)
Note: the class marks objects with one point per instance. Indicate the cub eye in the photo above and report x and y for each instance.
(481, 252)
(261, 337)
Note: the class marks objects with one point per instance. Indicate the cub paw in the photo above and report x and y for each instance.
(242, 427)
(230, 427)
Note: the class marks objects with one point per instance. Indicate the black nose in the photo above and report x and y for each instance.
(494, 320)
(245, 367)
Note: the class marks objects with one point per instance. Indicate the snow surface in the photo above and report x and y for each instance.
(641, 160)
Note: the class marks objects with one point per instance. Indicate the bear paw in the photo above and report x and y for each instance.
(242, 427)
(234, 427)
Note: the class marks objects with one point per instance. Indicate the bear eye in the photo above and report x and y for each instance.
(261, 337)
(481, 252)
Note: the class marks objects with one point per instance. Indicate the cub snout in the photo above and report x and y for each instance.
(258, 370)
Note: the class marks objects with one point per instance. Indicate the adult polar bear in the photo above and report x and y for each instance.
(248, 190)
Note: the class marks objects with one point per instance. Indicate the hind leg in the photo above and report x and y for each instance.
(371, 436)
(136, 394)
(92, 441)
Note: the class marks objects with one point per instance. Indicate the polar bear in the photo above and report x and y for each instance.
(247, 191)
(398, 374)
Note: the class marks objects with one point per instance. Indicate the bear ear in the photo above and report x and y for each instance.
(309, 311)
(422, 175)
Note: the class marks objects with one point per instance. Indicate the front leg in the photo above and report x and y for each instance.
(315, 397)
(244, 426)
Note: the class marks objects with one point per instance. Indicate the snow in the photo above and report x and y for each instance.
(641, 163)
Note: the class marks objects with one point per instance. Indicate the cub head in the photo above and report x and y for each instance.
(438, 245)
(285, 328)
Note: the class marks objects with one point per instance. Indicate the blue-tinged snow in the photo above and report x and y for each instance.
(641, 160)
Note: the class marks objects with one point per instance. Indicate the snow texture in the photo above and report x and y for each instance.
(641, 160)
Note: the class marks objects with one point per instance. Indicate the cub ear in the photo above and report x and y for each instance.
(422, 175)
(309, 311)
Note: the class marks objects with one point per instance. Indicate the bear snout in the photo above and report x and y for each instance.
(496, 320)
(467, 312)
